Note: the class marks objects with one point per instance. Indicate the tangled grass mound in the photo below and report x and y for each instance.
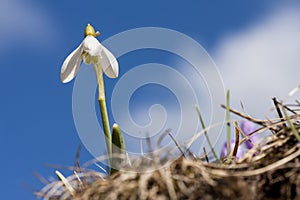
(267, 171)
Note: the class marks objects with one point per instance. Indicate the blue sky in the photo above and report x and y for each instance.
(36, 122)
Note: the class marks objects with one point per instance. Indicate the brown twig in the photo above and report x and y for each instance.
(286, 107)
(278, 110)
(171, 136)
(256, 121)
(237, 140)
(205, 155)
(259, 122)
(77, 166)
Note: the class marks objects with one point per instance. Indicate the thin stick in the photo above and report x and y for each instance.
(41, 178)
(206, 135)
(237, 140)
(141, 147)
(278, 110)
(79, 180)
(77, 165)
(292, 92)
(171, 136)
(259, 122)
(163, 135)
(286, 107)
(244, 135)
(205, 154)
(149, 145)
(191, 154)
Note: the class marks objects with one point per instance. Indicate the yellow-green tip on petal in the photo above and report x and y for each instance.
(89, 30)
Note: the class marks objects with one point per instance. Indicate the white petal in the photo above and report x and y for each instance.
(109, 63)
(71, 65)
(92, 46)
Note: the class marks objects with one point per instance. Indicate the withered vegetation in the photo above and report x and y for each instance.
(268, 171)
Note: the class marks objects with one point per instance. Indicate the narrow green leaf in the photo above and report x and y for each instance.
(206, 135)
(228, 124)
(295, 132)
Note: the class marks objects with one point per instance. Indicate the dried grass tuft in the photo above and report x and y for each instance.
(268, 171)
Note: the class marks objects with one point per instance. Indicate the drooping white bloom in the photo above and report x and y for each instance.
(91, 51)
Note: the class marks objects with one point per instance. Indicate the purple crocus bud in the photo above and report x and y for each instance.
(247, 128)
(224, 152)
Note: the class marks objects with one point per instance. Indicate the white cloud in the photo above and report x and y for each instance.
(262, 61)
(21, 21)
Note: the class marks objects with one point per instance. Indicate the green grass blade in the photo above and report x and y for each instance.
(206, 135)
(295, 132)
(228, 124)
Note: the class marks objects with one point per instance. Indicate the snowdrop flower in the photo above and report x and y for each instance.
(91, 51)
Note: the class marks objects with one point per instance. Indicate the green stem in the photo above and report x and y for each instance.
(290, 123)
(228, 124)
(105, 124)
(103, 109)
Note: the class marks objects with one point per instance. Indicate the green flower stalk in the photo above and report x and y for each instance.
(103, 111)
(91, 51)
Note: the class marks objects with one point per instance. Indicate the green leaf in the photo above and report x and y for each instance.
(118, 148)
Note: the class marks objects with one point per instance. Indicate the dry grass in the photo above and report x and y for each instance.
(273, 173)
